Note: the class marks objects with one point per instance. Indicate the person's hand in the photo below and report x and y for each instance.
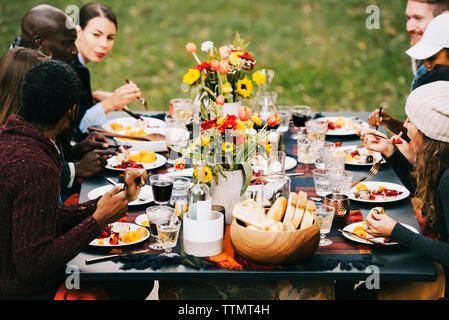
(101, 95)
(121, 97)
(92, 142)
(379, 225)
(377, 119)
(112, 206)
(374, 143)
(135, 179)
(92, 163)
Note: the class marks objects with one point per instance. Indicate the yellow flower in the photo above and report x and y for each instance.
(227, 147)
(204, 174)
(235, 59)
(205, 141)
(191, 76)
(259, 77)
(249, 124)
(268, 147)
(227, 88)
(256, 120)
(221, 120)
(244, 87)
(240, 125)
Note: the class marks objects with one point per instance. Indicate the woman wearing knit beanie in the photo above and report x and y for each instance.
(427, 109)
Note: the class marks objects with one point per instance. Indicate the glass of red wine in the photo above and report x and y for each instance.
(300, 115)
(162, 186)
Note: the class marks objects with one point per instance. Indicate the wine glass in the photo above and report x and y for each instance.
(157, 215)
(324, 215)
(300, 115)
(162, 186)
(168, 232)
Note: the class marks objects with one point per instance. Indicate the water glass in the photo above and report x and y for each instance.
(341, 182)
(322, 182)
(180, 196)
(168, 232)
(274, 187)
(316, 130)
(276, 162)
(324, 215)
(321, 153)
(335, 162)
(183, 110)
(162, 186)
(285, 116)
(176, 135)
(306, 150)
(300, 115)
(157, 215)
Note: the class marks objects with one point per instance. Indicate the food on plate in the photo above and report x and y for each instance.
(129, 164)
(115, 233)
(396, 141)
(364, 193)
(296, 213)
(360, 156)
(143, 156)
(378, 210)
(360, 229)
(117, 127)
(339, 123)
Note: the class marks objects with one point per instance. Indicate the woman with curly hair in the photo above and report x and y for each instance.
(427, 109)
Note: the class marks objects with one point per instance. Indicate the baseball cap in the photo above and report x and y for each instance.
(434, 39)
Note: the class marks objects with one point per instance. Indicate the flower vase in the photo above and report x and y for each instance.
(227, 192)
(231, 108)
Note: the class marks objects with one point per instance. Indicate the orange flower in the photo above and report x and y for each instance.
(224, 67)
(191, 47)
(220, 100)
(244, 113)
(273, 119)
(215, 65)
(180, 164)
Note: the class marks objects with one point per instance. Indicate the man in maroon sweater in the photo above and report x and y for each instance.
(38, 235)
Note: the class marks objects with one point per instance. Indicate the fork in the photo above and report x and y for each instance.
(124, 187)
(372, 172)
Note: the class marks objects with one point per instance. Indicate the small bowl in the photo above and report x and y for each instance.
(274, 247)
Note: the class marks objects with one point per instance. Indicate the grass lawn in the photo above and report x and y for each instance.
(321, 50)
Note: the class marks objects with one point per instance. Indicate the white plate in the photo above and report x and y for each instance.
(352, 226)
(146, 193)
(152, 123)
(344, 131)
(106, 243)
(160, 161)
(180, 173)
(290, 163)
(140, 219)
(348, 149)
(374, 185)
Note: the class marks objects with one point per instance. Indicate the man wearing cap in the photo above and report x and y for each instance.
(419, 14)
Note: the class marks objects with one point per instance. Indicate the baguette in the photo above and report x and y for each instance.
(291, 207)
(302, 199)
(307, 221)
(288, 226)
(273, 225)
(300, 209)
(250, 213)
(277, 211)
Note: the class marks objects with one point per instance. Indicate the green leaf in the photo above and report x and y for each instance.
(248, 172)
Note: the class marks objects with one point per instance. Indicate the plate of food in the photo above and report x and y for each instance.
(360, 156)
(142, 159)
(358, 228)
(142, 220)
(119, 234)
(133, 127)
(376, 191)
(145, 195)
(343, 126)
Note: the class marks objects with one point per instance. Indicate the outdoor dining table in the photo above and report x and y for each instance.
(395, 263)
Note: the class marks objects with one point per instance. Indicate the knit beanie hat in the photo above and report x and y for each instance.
(428, 108)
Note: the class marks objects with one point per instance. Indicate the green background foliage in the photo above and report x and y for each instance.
(321, 50)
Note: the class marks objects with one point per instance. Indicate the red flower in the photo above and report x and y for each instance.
(202, 66)
(209, 124)
(247, 56)
(229, 123)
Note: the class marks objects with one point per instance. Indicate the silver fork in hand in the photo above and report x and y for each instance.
(372, 172)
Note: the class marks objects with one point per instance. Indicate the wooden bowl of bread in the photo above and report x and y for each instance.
(287, 233)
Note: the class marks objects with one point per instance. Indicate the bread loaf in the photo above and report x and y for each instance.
(291, 207)
(273, 225)
(250, 213)
(308, 218)
(278, 209)
(378, 210)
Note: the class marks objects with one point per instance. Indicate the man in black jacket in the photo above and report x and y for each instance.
(50, 30)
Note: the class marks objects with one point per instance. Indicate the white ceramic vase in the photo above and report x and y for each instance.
(231, 108)
(227, 192)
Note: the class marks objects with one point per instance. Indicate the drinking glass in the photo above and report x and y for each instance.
(274, 187)
(276, 162)
(162, 186)
(266, 103)
(183, 110)
(180, 196)
(322, 182)
(316, 130)
(306, 150)
(285, 124)
(321, 153)
(324, 215)
(341, 182)
(157, 215)
(300, 115)
(335, 162)
(176, 135)
(168, 232)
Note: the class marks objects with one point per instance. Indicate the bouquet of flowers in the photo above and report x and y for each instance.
(227, 142)
(224, 75)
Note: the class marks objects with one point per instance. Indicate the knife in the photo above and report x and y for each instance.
(112, 256)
